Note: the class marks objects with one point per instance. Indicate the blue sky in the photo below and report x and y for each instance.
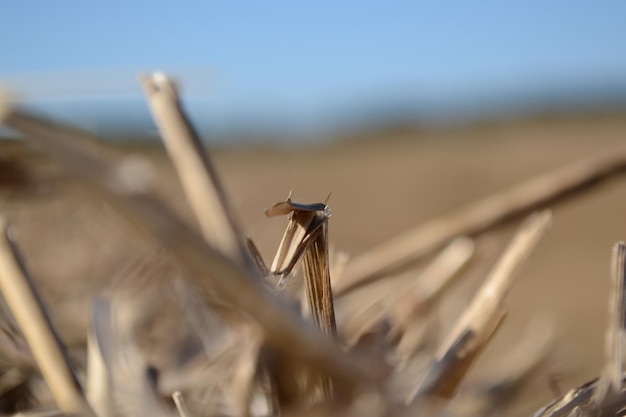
(307, 60)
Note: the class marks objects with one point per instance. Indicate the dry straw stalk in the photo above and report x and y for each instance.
(31, 315)
(195, 170)
(478, 217)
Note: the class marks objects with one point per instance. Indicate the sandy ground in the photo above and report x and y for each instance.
(381, 188)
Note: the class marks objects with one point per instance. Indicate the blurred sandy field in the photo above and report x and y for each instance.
(382, 187)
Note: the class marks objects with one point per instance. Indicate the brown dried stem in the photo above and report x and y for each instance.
(478, 217)
(306, 237)
(317, 283)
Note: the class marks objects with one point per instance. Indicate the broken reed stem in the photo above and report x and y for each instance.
(610, 382)
(180, 404)
(30, 313)
(319, 293)
(482, 317)
(317, 283)
(306, 239)
(209, 269)
(478, 217)
(195, 170)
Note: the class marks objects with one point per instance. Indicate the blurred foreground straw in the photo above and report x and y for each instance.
(30, 313)
(197, 174)
(223, 281)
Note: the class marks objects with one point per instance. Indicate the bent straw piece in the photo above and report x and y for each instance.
(610, 382)
(195, 170)
(305, 220)
(295, 241)
(478, 217)
(208, 268)
(481, 319)
(31, 315)
(306, 238)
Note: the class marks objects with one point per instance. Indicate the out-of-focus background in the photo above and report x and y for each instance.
(297, 73)
(404, 111)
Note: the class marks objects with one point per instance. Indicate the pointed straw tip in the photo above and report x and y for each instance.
(157, 81)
